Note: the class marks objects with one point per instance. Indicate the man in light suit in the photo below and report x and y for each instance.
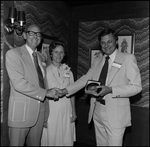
(28, 102)
(123, 80)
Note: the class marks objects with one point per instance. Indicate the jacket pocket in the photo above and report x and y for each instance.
(19, 111)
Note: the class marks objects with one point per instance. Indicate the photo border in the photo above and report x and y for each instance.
(93, 54)
(130, 38)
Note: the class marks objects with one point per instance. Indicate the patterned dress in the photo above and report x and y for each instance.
(60, 130)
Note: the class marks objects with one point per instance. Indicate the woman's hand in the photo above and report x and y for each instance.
(74, 116)
(45, 125)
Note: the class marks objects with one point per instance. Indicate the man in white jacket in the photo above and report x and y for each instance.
(123, 80)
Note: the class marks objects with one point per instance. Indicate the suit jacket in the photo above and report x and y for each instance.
(25, 94)
(125, 80)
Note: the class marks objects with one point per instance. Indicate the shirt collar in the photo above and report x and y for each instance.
(30, 50)
(113, 55)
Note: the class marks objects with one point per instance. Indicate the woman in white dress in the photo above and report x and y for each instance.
(60, 129)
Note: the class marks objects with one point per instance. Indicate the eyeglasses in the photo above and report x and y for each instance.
(32, 33)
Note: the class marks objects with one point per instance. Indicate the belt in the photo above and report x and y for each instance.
(101, 101)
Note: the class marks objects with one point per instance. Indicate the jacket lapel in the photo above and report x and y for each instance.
(41, 65)
(29, 63)
(114, 69)
(99, 68)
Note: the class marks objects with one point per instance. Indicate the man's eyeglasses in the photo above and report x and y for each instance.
(32, 33)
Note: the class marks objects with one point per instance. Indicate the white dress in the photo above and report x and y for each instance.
(60, 130)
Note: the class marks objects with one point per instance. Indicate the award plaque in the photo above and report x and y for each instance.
(92, 85)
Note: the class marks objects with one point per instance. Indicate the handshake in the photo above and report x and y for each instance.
(56, 93)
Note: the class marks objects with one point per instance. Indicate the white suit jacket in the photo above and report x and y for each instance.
(125, 80)
(25, 94)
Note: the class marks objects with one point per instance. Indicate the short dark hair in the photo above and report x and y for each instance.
(106, 32)
(54, 44)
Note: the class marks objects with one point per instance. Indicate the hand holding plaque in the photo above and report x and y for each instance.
(92, 87)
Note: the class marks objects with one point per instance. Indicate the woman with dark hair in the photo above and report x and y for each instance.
(60, 128)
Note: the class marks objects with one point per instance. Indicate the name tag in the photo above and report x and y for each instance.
(117, 65)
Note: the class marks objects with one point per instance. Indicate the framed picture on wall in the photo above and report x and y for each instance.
(45, 48)
(46, 43)
(94, 53)
(45, 51)
(126, 43)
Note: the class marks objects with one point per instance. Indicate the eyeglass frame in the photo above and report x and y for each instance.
(34, 33)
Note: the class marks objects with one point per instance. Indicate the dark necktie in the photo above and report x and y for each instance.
(104, 71)
(41, 80)
(102, 78)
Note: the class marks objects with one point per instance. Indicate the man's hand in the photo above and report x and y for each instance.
(104, 90)
(62, 92)
(53, 93)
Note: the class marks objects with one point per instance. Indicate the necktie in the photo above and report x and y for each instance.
(41, 80)
(102, 79)
(104, 71)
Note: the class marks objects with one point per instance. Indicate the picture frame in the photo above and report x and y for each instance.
(45, 46)
(45, 51)
(126, 43)
(94, 53)
(46, 43)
